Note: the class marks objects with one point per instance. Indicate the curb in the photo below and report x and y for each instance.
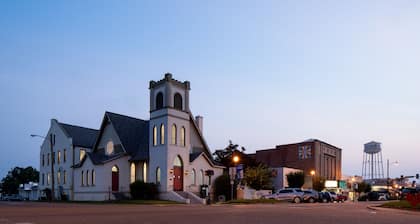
(402, 211)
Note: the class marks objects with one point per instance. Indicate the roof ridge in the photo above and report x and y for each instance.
(122, 115)
(77, 126)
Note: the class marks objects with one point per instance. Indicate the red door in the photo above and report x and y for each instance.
(115, 183)
(178, 178)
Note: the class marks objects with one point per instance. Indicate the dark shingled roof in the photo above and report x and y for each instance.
(82, 137)
(194, 156)
(133, 133)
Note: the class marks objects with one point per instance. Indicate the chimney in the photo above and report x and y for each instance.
(199, 122)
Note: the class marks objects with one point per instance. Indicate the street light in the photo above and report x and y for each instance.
(51, 141)
(353, 187)
(312, 177)
(387, 172)
(235, 160)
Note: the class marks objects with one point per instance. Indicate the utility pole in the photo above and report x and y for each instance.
(51, 140)
(52, 167)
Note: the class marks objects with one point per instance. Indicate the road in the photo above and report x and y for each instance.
(343, 213)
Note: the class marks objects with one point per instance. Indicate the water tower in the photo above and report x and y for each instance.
(373, 167)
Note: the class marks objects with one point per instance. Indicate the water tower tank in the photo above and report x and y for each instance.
(372, 147)
(372, 161)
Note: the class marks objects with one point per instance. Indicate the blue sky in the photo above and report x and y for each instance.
(263, 73)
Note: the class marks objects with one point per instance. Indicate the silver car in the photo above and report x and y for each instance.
(291, 194)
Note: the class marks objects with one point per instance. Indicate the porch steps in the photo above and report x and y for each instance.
(194, 199)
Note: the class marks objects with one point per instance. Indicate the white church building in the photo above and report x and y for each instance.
(168, 149)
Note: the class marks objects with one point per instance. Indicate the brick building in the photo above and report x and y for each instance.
(313, 154)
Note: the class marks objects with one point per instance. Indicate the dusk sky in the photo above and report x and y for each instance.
(262, 73)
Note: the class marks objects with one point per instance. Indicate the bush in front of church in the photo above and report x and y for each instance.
(140, 190)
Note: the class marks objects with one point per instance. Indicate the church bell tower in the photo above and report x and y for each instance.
(169, 131)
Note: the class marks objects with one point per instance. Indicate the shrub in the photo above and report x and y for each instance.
(222, 186)
(140, 190)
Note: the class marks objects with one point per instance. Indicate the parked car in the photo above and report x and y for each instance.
(325, 197)
(291, 194)
(14, 197)
(334, 196)
(341, 197)
(310, 196)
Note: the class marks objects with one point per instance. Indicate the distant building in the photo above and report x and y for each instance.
(29, 191)
(310, 155)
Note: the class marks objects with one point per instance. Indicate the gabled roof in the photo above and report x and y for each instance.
(81, 136)
(133, 134)
(97, 158)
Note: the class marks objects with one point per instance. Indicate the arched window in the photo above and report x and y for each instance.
(174, 135)
(93, 177)
(200, 177)
(82, 176)
(159, 101)
(158, 175)
(132, 173)
(145, 172)
(183, 136)
(162, 134)
(58, 177)
(193, 177)
(87, 177)
(109, 148)
(58, 157)
(178, 101)
(154, 136)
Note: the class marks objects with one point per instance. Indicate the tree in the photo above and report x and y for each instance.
(224, 156)
(222, 187)
(17, 176)
(258, 177)
(296, 179)
(363, 187)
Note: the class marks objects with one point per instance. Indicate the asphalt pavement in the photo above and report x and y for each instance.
(318, 213)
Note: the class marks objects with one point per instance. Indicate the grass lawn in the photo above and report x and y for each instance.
(132, 202)
(401, 205)
(145, 202)
(254, 201)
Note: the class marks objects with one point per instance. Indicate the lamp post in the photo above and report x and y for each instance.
(387, 173)
(235, 160)
(353, 187)
(51, 141)
(312, 179)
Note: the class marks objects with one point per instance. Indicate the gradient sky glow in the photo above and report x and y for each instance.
(263, 73)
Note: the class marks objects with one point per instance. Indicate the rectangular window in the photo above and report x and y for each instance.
(304, 152)
(43, 179)
(43, 160)
(64, 155)
(64, 177)
(48, 159)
